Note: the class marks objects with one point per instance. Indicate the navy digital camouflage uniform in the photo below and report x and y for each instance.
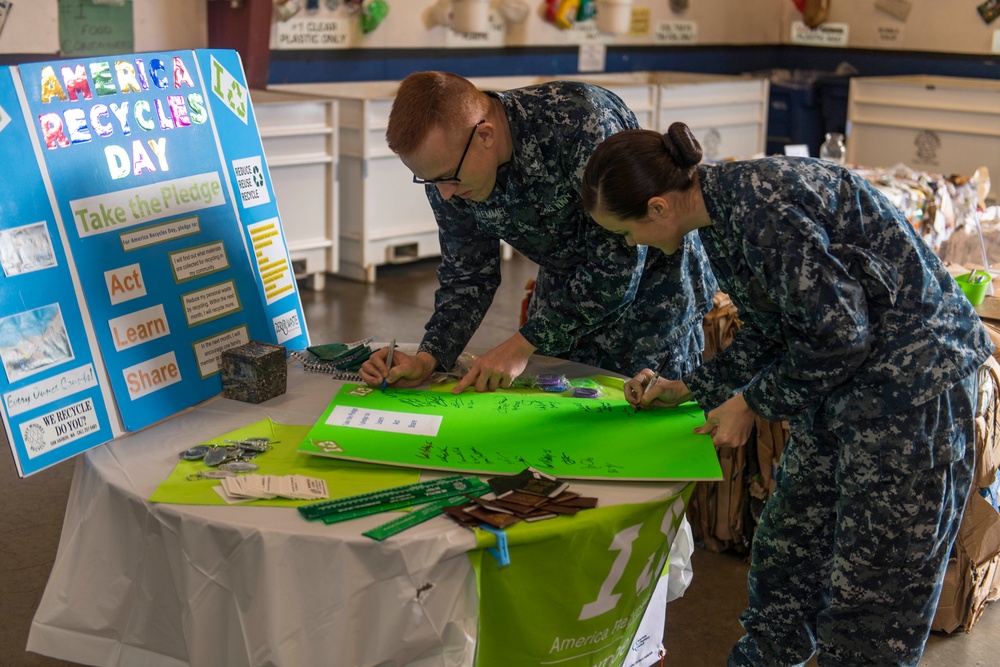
(855, 332)
(596, 300)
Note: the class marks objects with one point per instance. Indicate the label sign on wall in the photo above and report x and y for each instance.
(88, 28)
(134, 266)
(311, 32)
(677, 32)
(826, 34)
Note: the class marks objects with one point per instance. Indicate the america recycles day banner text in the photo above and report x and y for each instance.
(161, 242)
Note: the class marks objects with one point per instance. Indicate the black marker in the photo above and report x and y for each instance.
(656, 376)
(388, 362)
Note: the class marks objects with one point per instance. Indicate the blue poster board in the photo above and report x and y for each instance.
(53, 405)
(162, 197)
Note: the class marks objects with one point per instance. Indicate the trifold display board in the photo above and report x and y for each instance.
(139, 239)
(508, 430)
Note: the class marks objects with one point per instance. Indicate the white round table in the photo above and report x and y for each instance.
(154, 584)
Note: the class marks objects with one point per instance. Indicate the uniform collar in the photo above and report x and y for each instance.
(708, 178)
(526, 154)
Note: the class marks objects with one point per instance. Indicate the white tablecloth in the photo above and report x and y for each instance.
(136, 583)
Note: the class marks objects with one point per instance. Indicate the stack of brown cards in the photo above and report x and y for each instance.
(539, 497)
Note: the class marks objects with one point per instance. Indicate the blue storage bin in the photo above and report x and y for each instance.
(833, 92)
(794, 117)
(804, 106)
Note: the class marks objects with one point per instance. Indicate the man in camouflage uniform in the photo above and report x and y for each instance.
(855, 333)
(596, 300)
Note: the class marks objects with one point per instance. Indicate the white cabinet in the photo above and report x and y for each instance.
(636, 90)
(938, 124)
(727, 114)
(300, 146)
(384, 217)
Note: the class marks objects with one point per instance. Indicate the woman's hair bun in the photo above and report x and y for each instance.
(684, 149)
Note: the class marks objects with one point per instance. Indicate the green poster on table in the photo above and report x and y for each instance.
(343, 478)
(506, 431)
(607, 562)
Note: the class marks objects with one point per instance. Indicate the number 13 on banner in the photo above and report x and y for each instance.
(576, 591)
(229, 90)
(622, 543)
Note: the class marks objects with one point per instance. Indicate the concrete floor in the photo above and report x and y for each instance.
(701, 626)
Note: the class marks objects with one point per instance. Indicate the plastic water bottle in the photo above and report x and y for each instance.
(833, 148)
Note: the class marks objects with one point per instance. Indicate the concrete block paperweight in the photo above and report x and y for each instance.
(254, 372)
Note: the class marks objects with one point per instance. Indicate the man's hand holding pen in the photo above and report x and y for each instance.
(647, 389)
(406, 371)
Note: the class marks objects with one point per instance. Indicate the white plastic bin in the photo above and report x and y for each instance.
(939, 124)
(727, 114)
(384, 217)
(298, 133)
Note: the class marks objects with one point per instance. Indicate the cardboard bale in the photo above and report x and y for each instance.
(950, 613)
(724, 514)
(986, 589)
(979, 535)
(717, 510)
(254, 372)
(971, 581)
(992, 325)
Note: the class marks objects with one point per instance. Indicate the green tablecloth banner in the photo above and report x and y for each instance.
(576, 587)
(343, 478)
(508, 430)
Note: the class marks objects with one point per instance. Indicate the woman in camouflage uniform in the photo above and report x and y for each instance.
(856, 334)
(507, 166)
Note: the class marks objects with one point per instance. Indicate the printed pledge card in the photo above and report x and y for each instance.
(384, 420)
(129, 254)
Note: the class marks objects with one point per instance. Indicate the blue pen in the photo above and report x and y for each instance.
(388, 362)
(656, 376)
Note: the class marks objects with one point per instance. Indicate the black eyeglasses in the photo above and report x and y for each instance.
(455, 178)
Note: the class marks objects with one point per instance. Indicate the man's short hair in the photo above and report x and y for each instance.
(426, 100)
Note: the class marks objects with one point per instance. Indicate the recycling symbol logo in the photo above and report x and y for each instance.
(258, 177)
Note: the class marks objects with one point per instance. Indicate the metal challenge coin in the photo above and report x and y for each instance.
(217, 474)
(195, 453)
(217, 456)
(210, 474)
(239, 466)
